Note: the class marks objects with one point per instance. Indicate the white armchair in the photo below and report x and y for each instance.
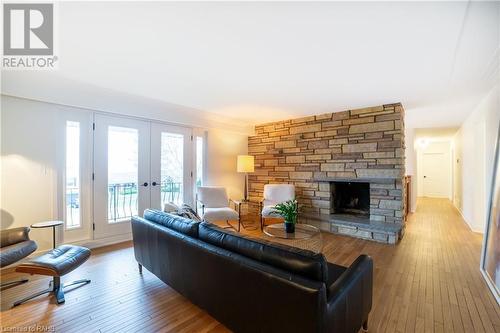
(273, 195)
(215, 205)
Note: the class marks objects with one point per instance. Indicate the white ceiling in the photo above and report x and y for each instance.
(261, 62)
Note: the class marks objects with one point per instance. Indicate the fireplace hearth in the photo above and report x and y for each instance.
(350, 198)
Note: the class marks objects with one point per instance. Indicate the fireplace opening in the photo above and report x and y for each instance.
(350, 198)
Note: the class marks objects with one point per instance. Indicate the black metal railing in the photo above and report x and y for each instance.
(123, 198)
(122, 201)
(72, 206)
(171, 191)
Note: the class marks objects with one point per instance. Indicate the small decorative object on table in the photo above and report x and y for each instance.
(289, 211)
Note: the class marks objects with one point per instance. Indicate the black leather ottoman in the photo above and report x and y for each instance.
(56, 263)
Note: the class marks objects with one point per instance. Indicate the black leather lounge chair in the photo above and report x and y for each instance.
(15, 245)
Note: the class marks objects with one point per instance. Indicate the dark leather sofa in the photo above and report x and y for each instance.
(251, 285)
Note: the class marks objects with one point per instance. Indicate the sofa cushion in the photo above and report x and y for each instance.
(174, 222)
(291, 259)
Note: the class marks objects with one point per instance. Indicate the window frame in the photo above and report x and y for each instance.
(65, 179)
(203, 134)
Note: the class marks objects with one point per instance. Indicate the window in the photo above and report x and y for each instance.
(199, 161)
(172, 168)
(73, 216)
(123, 161)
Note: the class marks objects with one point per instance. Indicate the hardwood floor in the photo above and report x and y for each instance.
(430, 282)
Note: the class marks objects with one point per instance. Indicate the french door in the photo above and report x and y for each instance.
(121, 173)
(171, 165)
(137, 165)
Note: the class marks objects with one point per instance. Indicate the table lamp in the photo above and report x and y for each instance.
(245, 164)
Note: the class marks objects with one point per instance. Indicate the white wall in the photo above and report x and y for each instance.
(222, 149)
(411, 165)
(474, 149)
(32, 163)
(53, 88)
(31, 154)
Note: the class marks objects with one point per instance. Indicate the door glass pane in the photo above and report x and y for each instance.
(199, 161)
(72, 174)
(123, 160)
(172, 157)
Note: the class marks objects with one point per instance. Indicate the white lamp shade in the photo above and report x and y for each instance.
(245, 163)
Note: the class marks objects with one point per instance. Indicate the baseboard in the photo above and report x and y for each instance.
(95, 243)
(92, 243)
(465, 220)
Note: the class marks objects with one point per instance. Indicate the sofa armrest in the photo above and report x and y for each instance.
(14, 236)
(350, 297)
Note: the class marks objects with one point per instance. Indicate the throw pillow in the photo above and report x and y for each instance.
(187, 211)
(170, 207)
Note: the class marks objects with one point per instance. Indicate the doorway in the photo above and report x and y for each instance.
(435, 175)
(435, 171)
(171, 165)
(137, 165)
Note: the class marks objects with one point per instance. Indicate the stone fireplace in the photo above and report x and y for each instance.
(350, 198)
(347, 168)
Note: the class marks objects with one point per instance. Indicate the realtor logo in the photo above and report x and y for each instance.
(28, 29)
(28, 36)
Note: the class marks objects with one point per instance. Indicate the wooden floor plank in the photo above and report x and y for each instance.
(430, 282)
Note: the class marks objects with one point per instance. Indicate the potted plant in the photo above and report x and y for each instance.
(289, 211)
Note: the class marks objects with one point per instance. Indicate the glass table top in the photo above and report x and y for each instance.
(302, 231)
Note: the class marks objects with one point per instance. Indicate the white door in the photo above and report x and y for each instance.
(436, 174)
(121, 173)
(171, 165)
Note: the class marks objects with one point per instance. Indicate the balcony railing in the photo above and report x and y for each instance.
(122, 201)
(72, 207)
(171, 192)
(123, 198)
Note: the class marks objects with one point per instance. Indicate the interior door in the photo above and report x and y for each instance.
(171, 165)
(121, 173)
(435, 168)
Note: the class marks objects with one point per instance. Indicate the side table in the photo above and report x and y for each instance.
(49, 224)
(246, 213)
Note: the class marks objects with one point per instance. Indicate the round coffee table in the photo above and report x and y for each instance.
(306, 237)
